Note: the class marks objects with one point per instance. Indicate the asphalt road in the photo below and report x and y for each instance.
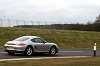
(62, 53)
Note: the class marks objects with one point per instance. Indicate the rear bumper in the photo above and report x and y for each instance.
(15, 50)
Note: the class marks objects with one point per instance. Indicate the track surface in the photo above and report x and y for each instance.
(62, 53)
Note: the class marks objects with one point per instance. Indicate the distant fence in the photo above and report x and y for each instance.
(32, 24)
(50, 25)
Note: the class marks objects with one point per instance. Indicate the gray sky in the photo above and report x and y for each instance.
(69, 11)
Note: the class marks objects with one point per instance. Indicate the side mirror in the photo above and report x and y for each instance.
(44, 42)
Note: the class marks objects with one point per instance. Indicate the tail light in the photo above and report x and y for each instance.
(21, 44)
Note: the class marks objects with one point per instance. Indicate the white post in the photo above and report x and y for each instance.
(95, 49)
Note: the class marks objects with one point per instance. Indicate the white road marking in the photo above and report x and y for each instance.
(59, 51)
(70, 51)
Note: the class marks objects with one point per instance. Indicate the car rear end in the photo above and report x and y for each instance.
(14, 46)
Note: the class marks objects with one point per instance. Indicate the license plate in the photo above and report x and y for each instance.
(10, 48)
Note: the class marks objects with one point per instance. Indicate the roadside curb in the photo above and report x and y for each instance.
(44, 58)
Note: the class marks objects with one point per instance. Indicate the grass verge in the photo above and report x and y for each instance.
(66, 39)
(88, 61)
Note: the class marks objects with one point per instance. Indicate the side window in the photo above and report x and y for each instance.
(37, 40)
(32, 40)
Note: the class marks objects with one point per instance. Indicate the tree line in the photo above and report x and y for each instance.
(95, 26)
(85, 27)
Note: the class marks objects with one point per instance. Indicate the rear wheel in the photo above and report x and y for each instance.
(52, 51)
(28, 51)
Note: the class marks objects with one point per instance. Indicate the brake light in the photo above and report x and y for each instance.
(21, 44)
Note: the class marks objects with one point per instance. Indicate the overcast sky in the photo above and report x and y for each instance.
(69, 11)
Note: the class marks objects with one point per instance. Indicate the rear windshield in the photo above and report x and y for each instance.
(22, 39)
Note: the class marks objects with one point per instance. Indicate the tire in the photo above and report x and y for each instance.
(52, 51)
(29, 51)
(11, 53)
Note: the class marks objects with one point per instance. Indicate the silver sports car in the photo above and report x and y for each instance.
(30, 45)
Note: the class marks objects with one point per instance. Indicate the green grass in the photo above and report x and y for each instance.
(66, 39)
(89, 61)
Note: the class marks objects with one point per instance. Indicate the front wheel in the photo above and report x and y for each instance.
(28, 51)
(52, 51)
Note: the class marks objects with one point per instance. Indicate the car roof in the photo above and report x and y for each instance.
(31, 37)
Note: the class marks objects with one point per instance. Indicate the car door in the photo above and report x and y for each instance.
(40, 45)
